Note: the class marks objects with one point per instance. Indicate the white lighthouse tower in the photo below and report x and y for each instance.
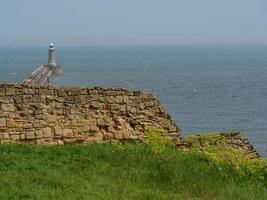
(43, 74)
(51, 57)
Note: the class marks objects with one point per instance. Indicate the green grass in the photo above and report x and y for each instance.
(105, 171)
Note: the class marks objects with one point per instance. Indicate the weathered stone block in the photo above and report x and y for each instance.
(8, 108)
(47, 132)
(4, 100)
(145, 95)
(91, 122)
(2, 122)
(28, 91)
(2, 92)
(51, 118)
(38, 134)
(67, 132)
(110, 99)
(29, 135)
(80, 99)
(119, 99)
(173, 128)
(92, 92)
(15, 137)
(27, 126)
(59, 105)
(73, 92)
(10, 91)
(22, 136)
(100, 122)
(94, 128)
(10, 123)
(70, 141)
(58, 131)
(114, 107)
(4, 136)
(95, 104)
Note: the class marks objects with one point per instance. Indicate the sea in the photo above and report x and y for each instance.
(204, 88)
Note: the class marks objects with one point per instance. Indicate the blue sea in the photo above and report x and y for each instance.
(204, 88)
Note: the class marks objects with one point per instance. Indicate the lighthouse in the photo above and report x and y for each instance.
(43, 74)
(51, 56)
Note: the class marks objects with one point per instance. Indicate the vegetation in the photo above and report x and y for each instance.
(154, 170)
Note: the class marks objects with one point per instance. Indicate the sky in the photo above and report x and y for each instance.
(133, 22)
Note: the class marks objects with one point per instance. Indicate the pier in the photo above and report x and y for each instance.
(43, 74)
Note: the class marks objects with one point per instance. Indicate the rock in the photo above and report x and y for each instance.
(47, 132)
(10, 91)
(15, 137)
(100, 122)
(114, 107)
(67, 132)
(30, 135)
(38, 134)
(2, 122)
(94, 128)
(173, 128)
(8, 108)
(10, 123)
(95, 104)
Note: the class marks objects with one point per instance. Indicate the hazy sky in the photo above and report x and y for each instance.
(138, 22)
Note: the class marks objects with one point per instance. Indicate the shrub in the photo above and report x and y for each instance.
(156, 140)
(217, 150)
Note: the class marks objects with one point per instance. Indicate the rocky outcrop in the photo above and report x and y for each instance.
(226, 141)
(51, 115)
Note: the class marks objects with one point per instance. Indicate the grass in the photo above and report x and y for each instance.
(105, 171)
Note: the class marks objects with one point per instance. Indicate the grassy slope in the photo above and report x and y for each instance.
(113, 172)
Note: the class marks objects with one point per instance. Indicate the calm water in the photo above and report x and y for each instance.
(204, 88)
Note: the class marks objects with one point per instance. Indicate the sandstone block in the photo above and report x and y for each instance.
(2, 92)
(10, 123)
(4, 100)
(94, 128)
(70, 141)
(95, 104)
(22, 136)
(92, 92)
(38, 134)
(8, 107)
(51, 118)
(2, 122)
(40, 141)
(47, 132)
(15, 137)
(10, 91)
(92, 122)
(172, 128)
(119, 99)
(4, 136)
(114, 107)
(58, 131)
(67, 132)
(29, 135)
(100, 122)
(59, 105)
(145, 95)
(61, 93)
(28, 91)
(80, 99)
(110, 99)
(27, 126)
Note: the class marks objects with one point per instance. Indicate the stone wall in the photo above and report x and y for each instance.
(47, 114)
